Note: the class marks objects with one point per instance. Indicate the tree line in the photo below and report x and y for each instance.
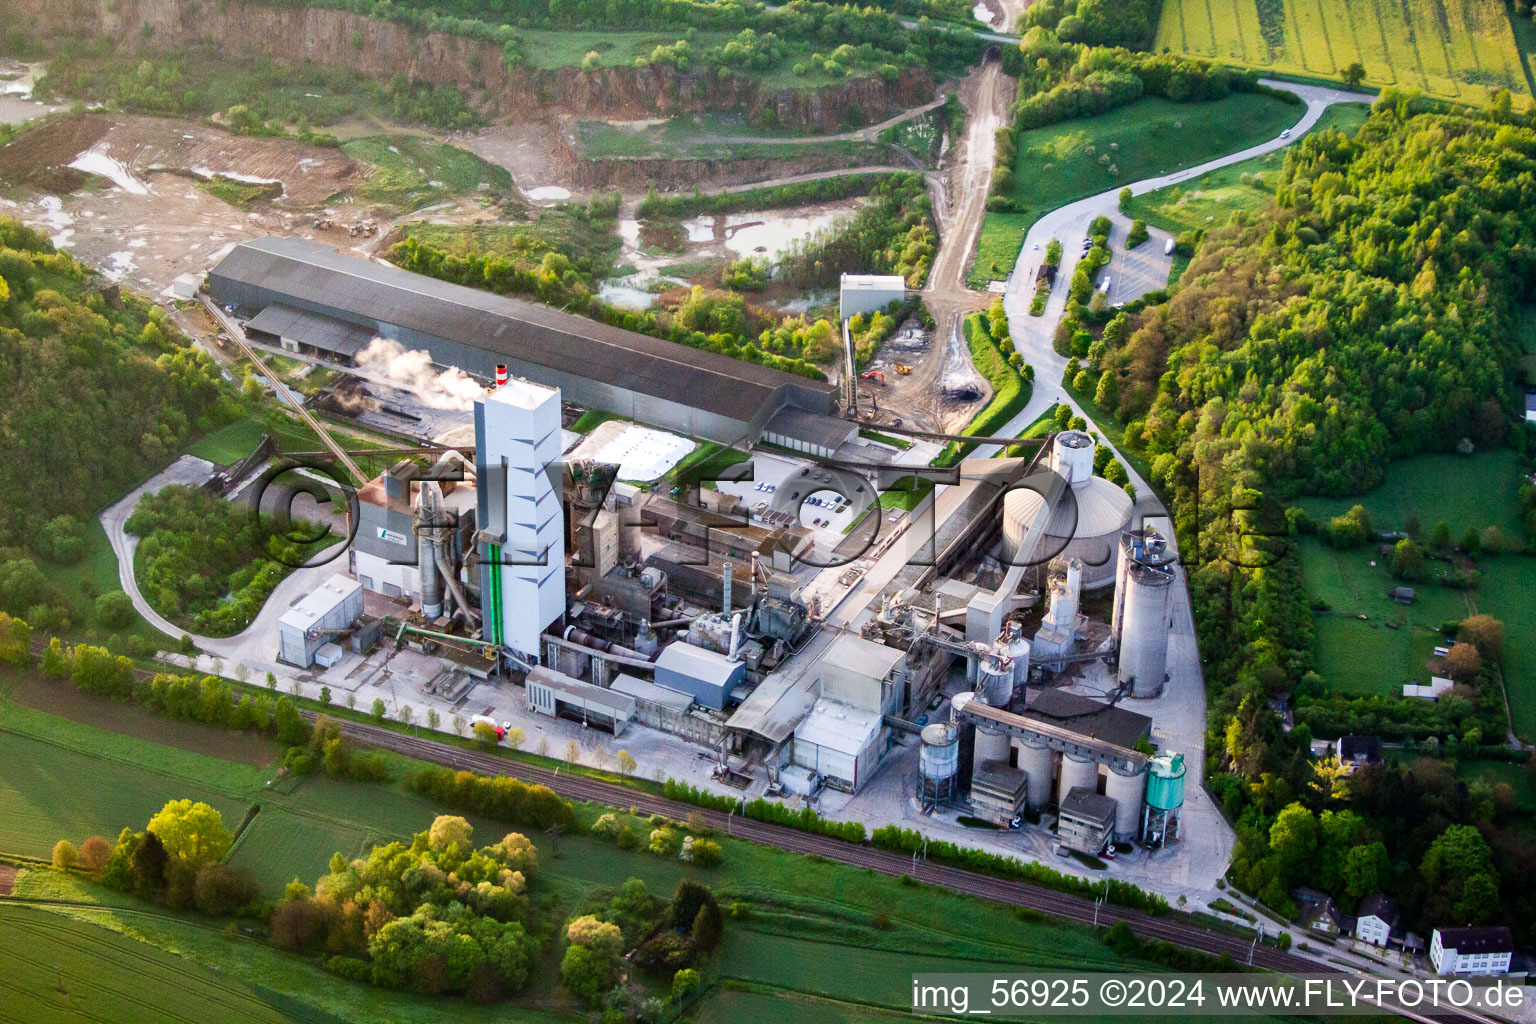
(1369, 315)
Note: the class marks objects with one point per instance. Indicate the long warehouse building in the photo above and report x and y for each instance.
(311, 296)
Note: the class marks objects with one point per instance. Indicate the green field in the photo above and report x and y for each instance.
(411, 172)
(1467, 492)
(1518, 777)
(1059, 163)
(64, 971)
(1458, 49)
(1208, 201)
(42, 799)
(835, 931)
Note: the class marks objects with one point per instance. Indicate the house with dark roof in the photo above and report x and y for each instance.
(1471, 950)
(1358, 751)
(1317, 912)
(1376, 919)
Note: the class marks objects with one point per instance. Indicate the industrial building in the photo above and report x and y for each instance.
(1085, 521)
(839, 742)
(558, 695)
(309, 297)
(868, 293)
(388, 553)
(313, 624)
(520, 514)
(1085, 821)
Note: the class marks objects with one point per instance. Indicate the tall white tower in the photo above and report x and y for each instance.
(522, 538)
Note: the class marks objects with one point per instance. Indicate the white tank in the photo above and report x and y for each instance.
(1039, 763)
(1072, 456)
(939, 758)
(1146, 594)
(1066, 584)
(957, 704)
(991, 746)
(1075, 773)
(1085, 524)
(994, 679)
(1126, 791)
(1018, 649)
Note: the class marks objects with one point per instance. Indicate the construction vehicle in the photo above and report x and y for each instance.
(874, 376)
(903, 369)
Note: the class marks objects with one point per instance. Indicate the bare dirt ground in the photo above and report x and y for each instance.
(944, 390)
(16, 102)
(8, 874)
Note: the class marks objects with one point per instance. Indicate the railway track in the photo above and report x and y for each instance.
(971, 883)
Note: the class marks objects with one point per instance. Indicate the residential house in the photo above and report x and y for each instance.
(1377, 919)
(1471, 950)
(1317, 912)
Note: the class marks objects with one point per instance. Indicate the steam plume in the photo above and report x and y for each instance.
(412, 371)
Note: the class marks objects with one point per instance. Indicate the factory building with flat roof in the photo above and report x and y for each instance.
(311, 297)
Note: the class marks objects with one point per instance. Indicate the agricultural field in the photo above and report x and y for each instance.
(59, 970)
(1208, 201)
(1059, 163)
(42, 800)
(410, 172)
(865, 929)
(1368, 657)
(1456, 49)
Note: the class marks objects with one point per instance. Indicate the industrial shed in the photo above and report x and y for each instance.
(560, 696)
(839, 742)
(316, 289)
(318, 619)
(704, 675)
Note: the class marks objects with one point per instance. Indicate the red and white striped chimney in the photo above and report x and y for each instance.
(501, 374)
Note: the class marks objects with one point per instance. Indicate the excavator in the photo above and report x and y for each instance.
(873, 376)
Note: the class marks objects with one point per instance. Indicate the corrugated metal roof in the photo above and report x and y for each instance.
(853, 653)
(323, 332)
(618, 705)
(697, 663)
(315, 274)
(319, 601)
(812, 428)
(840, 727)
(650, 693)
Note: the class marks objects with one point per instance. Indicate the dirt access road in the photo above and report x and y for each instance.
(944, 390)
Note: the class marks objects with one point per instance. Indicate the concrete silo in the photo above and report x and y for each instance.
(1126, 791)
(1082, 523)
(1077, 771)
(938, 764)
(1143, 596)
(1039, 764)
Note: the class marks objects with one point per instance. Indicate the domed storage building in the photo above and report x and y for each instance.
(1085, 524)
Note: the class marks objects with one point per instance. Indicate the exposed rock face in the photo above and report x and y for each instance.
(381, 49)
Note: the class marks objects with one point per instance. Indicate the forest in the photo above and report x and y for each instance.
(1096, 22)
(1370, 315)
(202, 560)
(809, 22)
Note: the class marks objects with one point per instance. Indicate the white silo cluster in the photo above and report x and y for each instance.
(938, 765)
(1082, 524)
(1143, 595)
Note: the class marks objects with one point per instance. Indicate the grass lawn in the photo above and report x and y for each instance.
(1467, 491)
(411, 172)
(1059, 163)
(1455, 50)
(1042, 425)
(1464, 490)
(1517, 776)
(60, 970)
(997, 247)
(906, 495)
(1209, 200)
(1528, 339)
(1367, 656)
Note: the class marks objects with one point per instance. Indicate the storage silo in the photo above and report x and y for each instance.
(1143, 594)
(1126, 791)
(937, 764)
(1165, 799)
(1078, 771)
(1017, 647)
(994, 677)
(1083, 524)
(1039, 764)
